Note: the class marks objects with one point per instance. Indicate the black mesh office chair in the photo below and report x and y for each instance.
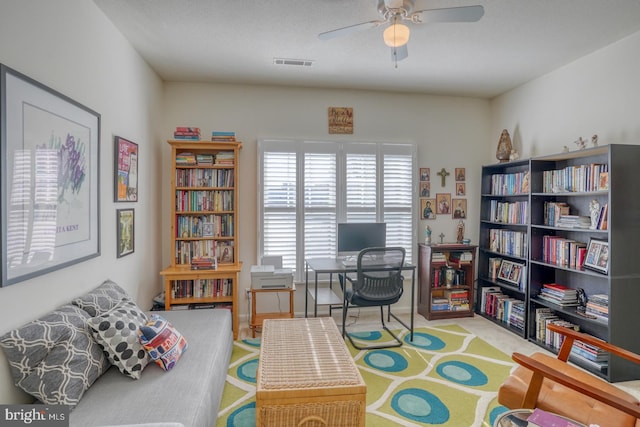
(377, 282)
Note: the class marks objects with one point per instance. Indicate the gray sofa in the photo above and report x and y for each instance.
(187, 395)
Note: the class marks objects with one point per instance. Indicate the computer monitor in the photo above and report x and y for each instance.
(356, 236)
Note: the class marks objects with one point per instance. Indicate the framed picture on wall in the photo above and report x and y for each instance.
(427, 208)
(126, 232)
(50, 179)
(443, 206)
(126, 173)
(459, 208)
(425, 174)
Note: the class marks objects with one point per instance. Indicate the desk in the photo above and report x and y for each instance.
(333, 266)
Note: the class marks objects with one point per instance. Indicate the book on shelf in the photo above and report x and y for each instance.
(494, 267)
(460, 257)
(187, 133)
(559, 294)
(483, 299)
(540, 418)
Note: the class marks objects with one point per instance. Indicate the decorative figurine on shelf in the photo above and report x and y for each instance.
(427, 235)
(594, 140)
(460, 231)
(504, 147)
(581, 143)
(594, 211)
(514, 155)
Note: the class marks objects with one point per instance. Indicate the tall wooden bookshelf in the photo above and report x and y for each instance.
(573, 179)
(204, 224)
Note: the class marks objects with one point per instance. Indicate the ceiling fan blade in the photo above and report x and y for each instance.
(350, 29)
(448, 14)
(399, 53)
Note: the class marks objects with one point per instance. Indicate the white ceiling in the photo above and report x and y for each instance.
(236, 41)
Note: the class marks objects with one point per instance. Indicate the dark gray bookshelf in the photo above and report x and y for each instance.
(622, 280)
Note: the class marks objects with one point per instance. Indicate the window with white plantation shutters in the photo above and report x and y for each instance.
(307, 187)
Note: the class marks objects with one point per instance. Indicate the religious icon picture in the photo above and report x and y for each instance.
(425, 174)
(427, 208)
(461, 189)
(425, 189)
(459, 208)
(444, 203)
(460, 174)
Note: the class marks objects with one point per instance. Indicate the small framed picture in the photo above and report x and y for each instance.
(425, 189)
(126, 173)
(427, 209)
(603, 183)
(207, 229)
(460, 174)
(597, 257)
(510, 272)
(425, 174)
(459, 208)
(444, 203)
(126, 233)
(461, 189)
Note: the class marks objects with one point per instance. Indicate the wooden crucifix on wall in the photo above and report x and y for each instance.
(443, 175)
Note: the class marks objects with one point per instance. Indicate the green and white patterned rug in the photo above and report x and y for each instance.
(446, 377)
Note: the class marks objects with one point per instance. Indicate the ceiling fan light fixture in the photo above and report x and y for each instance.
(396, 35)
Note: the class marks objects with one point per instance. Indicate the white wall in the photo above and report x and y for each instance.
(597, 94)
(450, 132)
(70, 46)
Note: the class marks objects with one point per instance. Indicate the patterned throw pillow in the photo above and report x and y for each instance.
(102, 299)
(162, 341)
(117, 333)
(54, 358)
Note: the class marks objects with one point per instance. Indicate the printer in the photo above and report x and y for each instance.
(269, 277)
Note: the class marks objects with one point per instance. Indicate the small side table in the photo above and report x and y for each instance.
(258, 318)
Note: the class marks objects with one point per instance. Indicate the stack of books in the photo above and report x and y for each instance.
(185, 159)
(598, 305)
(574, 221)
(203, 263)
(589, 355)
(438, 257)
(458, 299)
(204, 159)
(459, 257)
(187, 133)
(225, 158)
(439, 304)
(223, 136)
(559, 294)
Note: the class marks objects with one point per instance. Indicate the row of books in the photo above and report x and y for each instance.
(557, 214)
(202, 288)
(222, 158)
(460, 257)
(187, 133)
(186, 251)
(502, 307)
(509, 212)
(201, 200)
(205, 178)
(559, 295)
(189, 226)
(510, 183)
(581, 178)
(508, 242)
(439, 277)
(201, 305)
(564, 252)
(545, 316)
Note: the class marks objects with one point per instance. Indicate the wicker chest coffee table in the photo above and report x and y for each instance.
(307, 377)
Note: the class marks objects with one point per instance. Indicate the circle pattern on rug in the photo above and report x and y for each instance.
(244, 416)
(420, 406)
(253, 342)
(386, 360)
(462, 373)
(368, 336)
(425, 341)
(496, 412)
(247, 371)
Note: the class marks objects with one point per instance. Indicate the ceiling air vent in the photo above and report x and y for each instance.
(294, 62)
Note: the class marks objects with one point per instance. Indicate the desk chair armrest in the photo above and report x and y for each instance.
(541, 371)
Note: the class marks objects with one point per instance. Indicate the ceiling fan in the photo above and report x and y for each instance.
(395, 12)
